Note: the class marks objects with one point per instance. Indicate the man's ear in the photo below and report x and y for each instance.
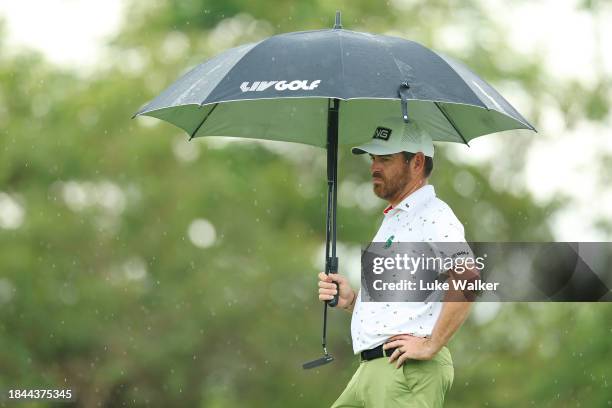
(418, 161)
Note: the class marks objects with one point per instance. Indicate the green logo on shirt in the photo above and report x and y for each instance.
(389, 241)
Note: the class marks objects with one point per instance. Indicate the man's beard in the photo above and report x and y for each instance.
(390, 189)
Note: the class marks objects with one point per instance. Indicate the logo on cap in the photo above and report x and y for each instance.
(382, 133)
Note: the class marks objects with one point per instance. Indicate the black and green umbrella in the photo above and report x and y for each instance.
(327, 88)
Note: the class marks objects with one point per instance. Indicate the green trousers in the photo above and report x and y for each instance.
(378, 384)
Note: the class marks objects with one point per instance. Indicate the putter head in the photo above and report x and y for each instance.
(318, 362)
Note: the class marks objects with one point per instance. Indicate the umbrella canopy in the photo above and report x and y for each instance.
(278, 89)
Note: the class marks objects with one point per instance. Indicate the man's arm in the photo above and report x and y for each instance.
(351, 305)
(451, 318)
(455, 310)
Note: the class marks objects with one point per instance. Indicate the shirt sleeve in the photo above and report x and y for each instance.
(445, 236)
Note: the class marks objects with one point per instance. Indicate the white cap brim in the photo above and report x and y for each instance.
(374, 148)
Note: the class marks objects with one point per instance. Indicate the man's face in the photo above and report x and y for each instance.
(390, 175)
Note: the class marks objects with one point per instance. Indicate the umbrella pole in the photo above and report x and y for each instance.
(331, 261)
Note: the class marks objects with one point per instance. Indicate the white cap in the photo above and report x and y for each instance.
(393, 135)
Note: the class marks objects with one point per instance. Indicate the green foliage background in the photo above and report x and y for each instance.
(230, 325)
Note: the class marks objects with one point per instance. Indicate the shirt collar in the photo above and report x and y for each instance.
(423, 194)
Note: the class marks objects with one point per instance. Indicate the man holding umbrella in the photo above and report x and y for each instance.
(418, 370)
(324, 88)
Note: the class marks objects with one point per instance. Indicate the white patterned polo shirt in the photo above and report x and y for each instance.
(420, 217)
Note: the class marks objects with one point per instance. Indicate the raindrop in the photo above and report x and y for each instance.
(202, 233)
(11, 212)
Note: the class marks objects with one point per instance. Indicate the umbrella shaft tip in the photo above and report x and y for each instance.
(338, 23)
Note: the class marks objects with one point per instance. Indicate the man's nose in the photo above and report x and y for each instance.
(375, 167)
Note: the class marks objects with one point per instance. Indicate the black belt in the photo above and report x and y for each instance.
(376, 352)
